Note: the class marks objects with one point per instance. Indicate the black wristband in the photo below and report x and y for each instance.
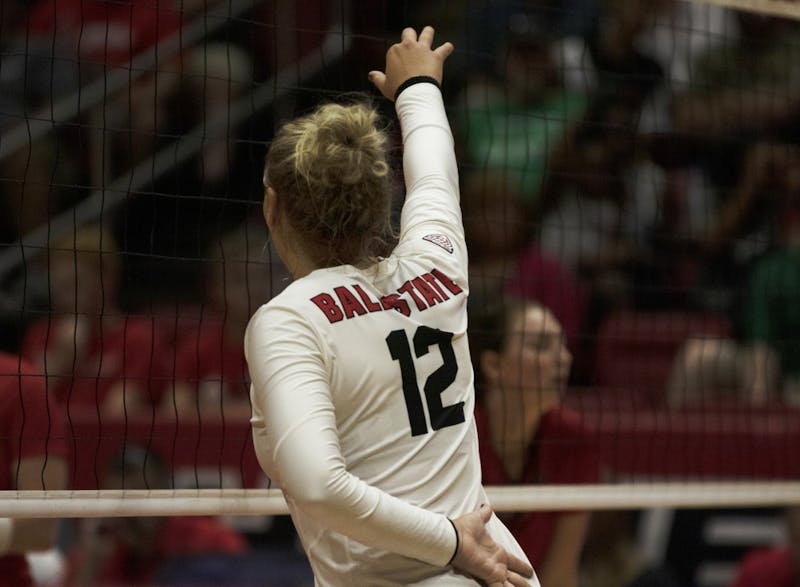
(417, 79)
(457, 542)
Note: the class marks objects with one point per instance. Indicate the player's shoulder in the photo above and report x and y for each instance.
(282, 306)
(294, 303)
(276, 324)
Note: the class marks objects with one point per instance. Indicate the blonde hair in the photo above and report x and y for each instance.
(330, 173)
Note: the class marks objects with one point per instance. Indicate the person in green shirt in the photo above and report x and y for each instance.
(518, 122)
(773, 317)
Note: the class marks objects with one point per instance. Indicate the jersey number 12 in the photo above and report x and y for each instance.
(400, 349)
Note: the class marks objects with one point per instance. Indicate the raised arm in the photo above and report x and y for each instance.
(411, 59)
(413, 77)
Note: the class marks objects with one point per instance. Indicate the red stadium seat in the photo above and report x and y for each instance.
(635, 349)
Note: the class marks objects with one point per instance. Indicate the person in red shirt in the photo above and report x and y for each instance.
(505, 261)
(33, 457)
(95, 37)
(210, 366)
(526, 436)
(778, 566)
(102, 32)
(92, 353)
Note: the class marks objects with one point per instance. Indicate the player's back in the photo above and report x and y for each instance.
(393, 340)
(399, 368)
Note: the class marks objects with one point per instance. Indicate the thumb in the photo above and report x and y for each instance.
(378, 78)
(486, 512)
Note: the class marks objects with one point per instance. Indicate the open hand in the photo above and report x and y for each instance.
(482, 558)
(412, 56)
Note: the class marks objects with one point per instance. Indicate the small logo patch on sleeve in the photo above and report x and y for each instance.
(440, 240)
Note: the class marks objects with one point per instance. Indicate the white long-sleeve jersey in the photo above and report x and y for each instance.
(362, 388)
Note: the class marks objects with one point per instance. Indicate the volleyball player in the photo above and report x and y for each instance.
(362, 389)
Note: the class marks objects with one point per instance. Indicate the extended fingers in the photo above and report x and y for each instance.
(426, 37)
(516, 580)
(409, 35)
(517, 565)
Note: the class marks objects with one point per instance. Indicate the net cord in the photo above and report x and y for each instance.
(253, 502)
(779, 8)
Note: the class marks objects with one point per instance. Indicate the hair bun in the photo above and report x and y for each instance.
(334, 162)
(341, 144)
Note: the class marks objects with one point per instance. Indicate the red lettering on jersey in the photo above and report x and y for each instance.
(370, 304)
(329, 307)
(395, 302)
(430, 295)
(451, 285)
(408, 288)
(350, 304)
(435, 285)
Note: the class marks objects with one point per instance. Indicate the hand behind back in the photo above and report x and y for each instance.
(480, 556)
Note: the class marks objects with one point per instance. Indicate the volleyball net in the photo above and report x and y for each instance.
(632, 167)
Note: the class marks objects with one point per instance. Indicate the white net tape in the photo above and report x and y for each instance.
(244, 502)
(782, 8)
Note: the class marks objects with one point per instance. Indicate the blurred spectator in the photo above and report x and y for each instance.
(742, 91)
(210, 367)
(221, 72)
(165, 225)
(526, 435)
(778, 566)
(669, 37)
(765, 364)
(675, 34)
(95, 38)
(746, 88)
(184, 87)
(35, 173)
(712, 370)
(771, 317)
(33, 457)
(503, 257)
(93, 355)
(102, 35)
(766, 198)
(132, 551)
(600, 208)
(519, 119)
(69, 45)
(623, 70)
(612, 558)
(480, 31)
